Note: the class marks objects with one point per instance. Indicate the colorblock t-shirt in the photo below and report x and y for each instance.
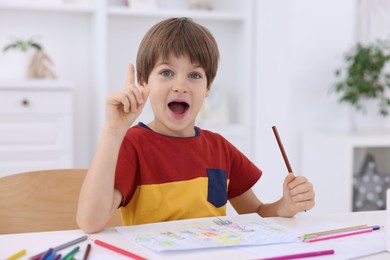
(165, 178)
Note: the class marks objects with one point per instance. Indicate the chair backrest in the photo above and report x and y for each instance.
(42, 201)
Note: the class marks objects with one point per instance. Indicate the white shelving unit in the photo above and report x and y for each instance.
(36, 126)
(93, 43)
(331, 161)
(66, 32)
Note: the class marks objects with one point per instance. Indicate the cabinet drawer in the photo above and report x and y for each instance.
(36, 132)
(17, 102)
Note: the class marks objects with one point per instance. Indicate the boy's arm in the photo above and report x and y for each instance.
(98, 198)
(298, 195)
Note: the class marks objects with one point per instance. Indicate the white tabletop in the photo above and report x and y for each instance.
(35, 243)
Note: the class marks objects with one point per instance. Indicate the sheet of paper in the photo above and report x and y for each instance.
(241, 230)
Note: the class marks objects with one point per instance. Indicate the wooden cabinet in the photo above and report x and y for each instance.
(333, 161)
(36, 126)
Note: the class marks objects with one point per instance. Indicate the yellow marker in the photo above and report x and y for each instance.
(17, 255)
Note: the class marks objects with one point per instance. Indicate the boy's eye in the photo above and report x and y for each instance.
(166, 73)
(195, 76)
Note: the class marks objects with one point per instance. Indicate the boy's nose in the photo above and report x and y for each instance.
(180, 86)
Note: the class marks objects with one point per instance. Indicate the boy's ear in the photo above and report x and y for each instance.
(141, 82)
(208, 89)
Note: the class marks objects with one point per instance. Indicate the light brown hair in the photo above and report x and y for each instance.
(178, 36)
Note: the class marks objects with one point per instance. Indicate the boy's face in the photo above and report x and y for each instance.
(177, 90)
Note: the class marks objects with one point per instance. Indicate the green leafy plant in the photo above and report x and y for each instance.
(23, 45)
(365, 75)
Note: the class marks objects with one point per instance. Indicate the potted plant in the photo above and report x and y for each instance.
(23, 45)
(365, 76)
(26, 59)
(15, 58)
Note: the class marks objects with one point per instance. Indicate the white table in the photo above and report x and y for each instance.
(304, 222)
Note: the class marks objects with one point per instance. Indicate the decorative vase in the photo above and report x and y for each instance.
(13, 65)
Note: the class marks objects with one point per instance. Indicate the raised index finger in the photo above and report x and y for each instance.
(131, 74)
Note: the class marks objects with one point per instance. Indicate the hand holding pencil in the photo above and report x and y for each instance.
(298, 193)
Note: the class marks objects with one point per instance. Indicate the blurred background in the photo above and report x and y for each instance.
(60, 58)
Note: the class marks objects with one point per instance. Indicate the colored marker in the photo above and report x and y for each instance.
(17, 255)
(47, 254)
(333, 231)
(118, 250)
(60, 247)
(57, 257)
(85, 257)
(301, 255)
(340, 231)
(71, 253)
(342, 234)
(52, 256)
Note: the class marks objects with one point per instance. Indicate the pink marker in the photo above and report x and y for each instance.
(301, 255)
(341, 234)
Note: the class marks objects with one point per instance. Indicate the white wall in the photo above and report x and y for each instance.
(299, 45)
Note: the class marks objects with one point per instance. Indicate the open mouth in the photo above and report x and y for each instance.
(178, 108)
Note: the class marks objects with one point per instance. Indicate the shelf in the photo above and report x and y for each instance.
(158, 13)
(36, 84)
(56, 7)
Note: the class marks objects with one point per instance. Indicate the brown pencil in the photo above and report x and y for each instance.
(87, 250)
(282, 149)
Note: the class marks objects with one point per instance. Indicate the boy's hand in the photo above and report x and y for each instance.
(298, 195)
(124, 106)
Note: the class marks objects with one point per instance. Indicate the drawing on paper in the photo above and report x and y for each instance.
(242, 230)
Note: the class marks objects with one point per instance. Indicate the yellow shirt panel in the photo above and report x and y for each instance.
(160, 202)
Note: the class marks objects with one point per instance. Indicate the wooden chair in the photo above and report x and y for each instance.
(42, 201)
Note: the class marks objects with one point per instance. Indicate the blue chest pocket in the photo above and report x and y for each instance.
(217, 187)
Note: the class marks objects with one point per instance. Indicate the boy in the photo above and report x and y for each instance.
(169, 169)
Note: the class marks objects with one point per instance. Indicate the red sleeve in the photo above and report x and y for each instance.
(243, 173)
(126, 177)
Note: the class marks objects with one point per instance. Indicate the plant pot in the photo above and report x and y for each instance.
(14, 64)
(368, 120)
